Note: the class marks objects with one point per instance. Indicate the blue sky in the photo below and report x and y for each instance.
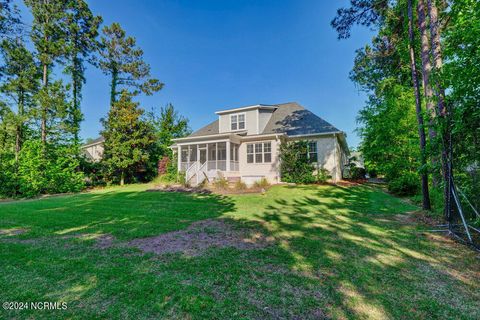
(214, 55)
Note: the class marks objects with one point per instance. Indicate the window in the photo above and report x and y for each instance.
(250, 153)
(312, 151)
(237, 121)
(259, 152)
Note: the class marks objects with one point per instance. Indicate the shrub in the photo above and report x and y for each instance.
(294, 163)
(322, 175)
(404, 185)
(182, 179)
(240, 185)
(56, 173)
(357, 173)
(162, 166)
(221, 183)
(262, 183)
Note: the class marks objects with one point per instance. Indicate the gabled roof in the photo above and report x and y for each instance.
(289, 118)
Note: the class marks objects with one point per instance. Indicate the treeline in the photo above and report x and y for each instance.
(421, 72)
(42, 73)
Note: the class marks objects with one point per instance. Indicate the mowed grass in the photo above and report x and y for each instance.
(338, 252)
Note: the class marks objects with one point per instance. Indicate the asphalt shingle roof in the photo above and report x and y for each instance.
(289, 118)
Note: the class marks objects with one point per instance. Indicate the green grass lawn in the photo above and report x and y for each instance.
(334, 252)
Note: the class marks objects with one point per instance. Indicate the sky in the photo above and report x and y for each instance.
(219, 54)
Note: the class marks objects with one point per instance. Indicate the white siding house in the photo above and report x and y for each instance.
(244, 143)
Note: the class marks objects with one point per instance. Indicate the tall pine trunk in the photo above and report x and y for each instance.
(113, 87)
(44, 108)
(418, 105)
(427, 89)
(441, 106)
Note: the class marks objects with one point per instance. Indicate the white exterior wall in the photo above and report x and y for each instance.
(250, 171)
(251, 121)
(95, 151)
(263, 118)
(330, 156)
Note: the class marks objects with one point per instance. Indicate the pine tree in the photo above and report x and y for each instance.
(123, 61)
(81, 43)
(127, 138)
(48, 36)
(9, 20)
(20, 84)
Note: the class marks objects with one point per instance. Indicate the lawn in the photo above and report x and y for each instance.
(303, 252)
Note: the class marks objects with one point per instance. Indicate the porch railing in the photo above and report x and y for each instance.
(212, 165)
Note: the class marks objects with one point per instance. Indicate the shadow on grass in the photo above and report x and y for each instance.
(123, 214)
(369, 263)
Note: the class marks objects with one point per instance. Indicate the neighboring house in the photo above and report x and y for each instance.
(243, 143)
(93, 150)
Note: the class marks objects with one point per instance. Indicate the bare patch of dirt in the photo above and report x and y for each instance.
(416, 217)
(12, 232)
(202, 235)
(105, 241)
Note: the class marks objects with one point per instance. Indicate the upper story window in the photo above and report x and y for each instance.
(237, 121)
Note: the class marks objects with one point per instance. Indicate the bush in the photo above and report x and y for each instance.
(357, 173)
(322, 176)
(262, 183)
(405, 185)
(294, 164)
(56, 173)
(240, 185)
(182, 179)
(221, 183)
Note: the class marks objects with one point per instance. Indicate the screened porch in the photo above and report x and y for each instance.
(221, 156)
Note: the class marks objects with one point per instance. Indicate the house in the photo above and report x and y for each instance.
(93, 149)
(243, 143)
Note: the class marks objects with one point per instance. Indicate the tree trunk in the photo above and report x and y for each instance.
(122, 178)
(19, 126)
(427, 89)
(113, 87)
(416, 87)
(44, 108)
(441, 106)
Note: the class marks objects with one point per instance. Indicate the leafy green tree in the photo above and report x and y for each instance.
(122, 60)
(168, 125)
(128, 139)
(81, 44)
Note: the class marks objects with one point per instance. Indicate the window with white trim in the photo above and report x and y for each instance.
(237, 121)
(312, 153)
(260, 152)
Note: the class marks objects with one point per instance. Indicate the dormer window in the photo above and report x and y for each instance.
(237, 121)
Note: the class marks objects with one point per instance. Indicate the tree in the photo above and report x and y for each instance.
(9, 20)
(421, 131)
(123, 61)
(127, 139)
(20, 84)
(168, 125)
(48, 36)
(81, 43)
(375, 69)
